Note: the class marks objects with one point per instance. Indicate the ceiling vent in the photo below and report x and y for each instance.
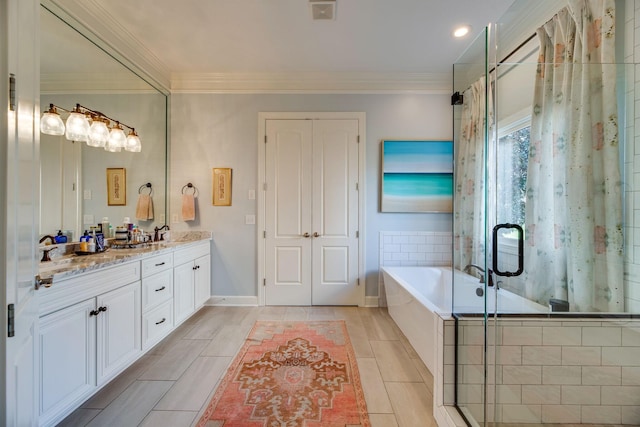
(323, 10)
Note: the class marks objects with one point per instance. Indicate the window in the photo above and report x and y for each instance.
(512, 157)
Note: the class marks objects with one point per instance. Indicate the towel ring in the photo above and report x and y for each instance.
(147, 185)
(190, 185)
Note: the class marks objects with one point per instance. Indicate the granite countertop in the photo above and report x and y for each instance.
(70, 265)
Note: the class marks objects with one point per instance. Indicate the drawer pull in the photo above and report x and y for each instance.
(161, 289)
(162, 321)
(159, 264)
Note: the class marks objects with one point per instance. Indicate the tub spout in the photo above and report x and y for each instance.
(468, 268)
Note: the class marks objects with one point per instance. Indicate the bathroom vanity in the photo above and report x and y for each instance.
(103, 311)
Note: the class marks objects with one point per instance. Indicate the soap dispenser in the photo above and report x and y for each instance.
(60, 237)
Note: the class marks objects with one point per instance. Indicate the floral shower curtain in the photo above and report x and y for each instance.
(574, 200)
(469, 221)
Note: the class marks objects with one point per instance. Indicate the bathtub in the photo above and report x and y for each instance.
(417, 296)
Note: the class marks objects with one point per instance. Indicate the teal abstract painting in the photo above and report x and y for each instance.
(417, 176)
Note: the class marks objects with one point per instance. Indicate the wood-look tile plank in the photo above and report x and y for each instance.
(426, 375)
(190, 392)
(227, 341)
(394, 362)
(383, 420)
(172, 364)
(297, 313)
(111, 391)
(375, 393)
(133, 405)
(169, 419)
(378, 325)
(412, 404)
(79, 418)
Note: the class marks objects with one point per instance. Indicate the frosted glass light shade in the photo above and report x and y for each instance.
(77, 127)
(51, 123)
(109, 146)
(117, 138)
(133, 142)
(98, 133)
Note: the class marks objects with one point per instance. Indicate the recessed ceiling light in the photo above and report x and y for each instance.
(461, 31)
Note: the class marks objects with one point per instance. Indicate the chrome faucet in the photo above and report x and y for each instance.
(468, 268)
(157, 236)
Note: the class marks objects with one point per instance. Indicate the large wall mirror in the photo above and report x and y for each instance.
(74, 191)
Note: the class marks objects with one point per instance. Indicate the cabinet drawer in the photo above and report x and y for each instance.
(181, 256)
(156, 324)
(156, 264)
(157, 289)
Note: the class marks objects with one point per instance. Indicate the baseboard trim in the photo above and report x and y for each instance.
(371, 301)
(220, 300)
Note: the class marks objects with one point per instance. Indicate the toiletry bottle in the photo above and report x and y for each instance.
(105, 227)
(60, 238)
(91, 244)
(84, 245)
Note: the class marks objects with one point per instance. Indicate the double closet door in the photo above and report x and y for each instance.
(311, 218)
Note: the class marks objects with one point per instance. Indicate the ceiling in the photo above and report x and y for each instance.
(190, 43)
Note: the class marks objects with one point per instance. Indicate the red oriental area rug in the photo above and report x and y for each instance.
(291, 374)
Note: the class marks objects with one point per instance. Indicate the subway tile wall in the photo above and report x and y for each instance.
(550, 371)
(415, 248)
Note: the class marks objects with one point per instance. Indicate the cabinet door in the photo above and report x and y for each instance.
(119, 330)
(183, 291)
(67, 359)
(202, 279)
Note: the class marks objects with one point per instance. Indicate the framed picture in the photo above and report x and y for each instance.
(417, 176)
(221, 186)
(116, 186)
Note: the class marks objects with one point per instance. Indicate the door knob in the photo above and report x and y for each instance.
(306, 235)
(316, 234)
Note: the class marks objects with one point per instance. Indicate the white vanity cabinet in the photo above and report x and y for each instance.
(191, 279)
(67, 360)
(89, 332)
(94, 324)
(157, 299)
(118, 329)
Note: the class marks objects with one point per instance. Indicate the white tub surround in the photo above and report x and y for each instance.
(102, 312)
(420, 301)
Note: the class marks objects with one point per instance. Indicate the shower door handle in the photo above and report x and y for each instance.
(496, 231)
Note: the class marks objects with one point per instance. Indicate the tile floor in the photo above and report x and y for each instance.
(172, 384)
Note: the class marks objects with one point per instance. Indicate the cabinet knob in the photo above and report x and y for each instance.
(306, 235)
(316, 234)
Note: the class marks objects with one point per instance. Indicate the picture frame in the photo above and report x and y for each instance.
(416, 176)
(221, 187)
(116, 186)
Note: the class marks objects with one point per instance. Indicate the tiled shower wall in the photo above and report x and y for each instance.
(551, 371)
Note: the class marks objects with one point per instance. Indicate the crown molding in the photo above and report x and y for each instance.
(425, 83)
(93, 83)
(106, 31)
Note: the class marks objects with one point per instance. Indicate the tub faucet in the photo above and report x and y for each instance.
(468, 268)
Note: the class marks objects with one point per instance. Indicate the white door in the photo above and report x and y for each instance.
(335, 213)
(311, 218)
(19, 206)
(288, 212)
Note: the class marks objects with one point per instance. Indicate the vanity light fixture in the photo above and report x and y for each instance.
(92, 127)
(461, 31)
